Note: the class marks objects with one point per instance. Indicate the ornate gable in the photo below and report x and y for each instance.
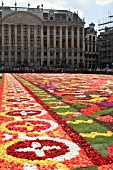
(21, 18)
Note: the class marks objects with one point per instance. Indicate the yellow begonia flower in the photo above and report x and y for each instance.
(93, 100)
(56, 133)
(62, 167)
(48, 98)
(95, 96)
(62, 107)
(80, 121)
(94, 134)
(65, 113)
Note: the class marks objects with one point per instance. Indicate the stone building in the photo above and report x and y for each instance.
(106, 48)
(40, 37)
(91, 47)
(106, 42)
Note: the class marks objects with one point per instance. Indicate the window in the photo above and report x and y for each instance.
(75, 42)
(75, 54)
(51, 30)
(94, 48)
(81, 54)
(18, 29)
(25, 55)
(51, 62)
(75, 31)
(90, 38)
(69, 42)
(86, 47)
(32, 42)
(94, 39)
(51, 54)
(64, 54)
(45, 43)
(25, 29)
(69, 30)
(45, 53)
(38, 42)
(81, 31)
(57, 30)
(45, 30)
(32, 55)
(18, 41)
(12, 29)
(63, 30)
(58, 54)
(75, 62)
(45, 15)
(81, 44)
(51, 43)
(25, 41)
(89, 47)
(6, 41)
(63, 43)
(58, 42)
(69, 54)
(12, 53)
(38, 61)
(57, 60)
(31, 29)
(45, 62)
(38, 29)
(6, 53)
(6, 28)
(38, 54)
(12, 41)
(69, 62)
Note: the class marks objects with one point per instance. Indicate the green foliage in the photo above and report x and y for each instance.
(105, 112)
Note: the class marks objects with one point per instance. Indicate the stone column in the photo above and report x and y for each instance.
(9, 45)
(3, 43)
(29, 45)
(83, 48)
(22, 44)
(42, 46)
(60, 45)
(54, 46)
(15, 45)
(72, 44)
(78, 46)
(35, 45)
(2, 34)
(66, 45)
(48, 46)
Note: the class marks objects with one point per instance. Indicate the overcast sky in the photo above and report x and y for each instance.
(91, 10)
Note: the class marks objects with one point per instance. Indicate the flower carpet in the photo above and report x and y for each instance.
(56, 122)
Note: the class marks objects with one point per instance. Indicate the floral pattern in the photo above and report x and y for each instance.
(41, 117)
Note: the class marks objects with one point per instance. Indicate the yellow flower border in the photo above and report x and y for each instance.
(3, 128)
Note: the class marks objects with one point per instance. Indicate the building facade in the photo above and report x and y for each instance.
(38, 37)
(106, 48)
(106, 43)
(91, 47)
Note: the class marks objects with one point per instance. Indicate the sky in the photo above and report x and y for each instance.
(96, 11)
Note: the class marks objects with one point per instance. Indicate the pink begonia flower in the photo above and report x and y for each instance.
(107, 118)
(110, 151)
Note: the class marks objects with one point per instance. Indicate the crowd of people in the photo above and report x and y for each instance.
(55, 70)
